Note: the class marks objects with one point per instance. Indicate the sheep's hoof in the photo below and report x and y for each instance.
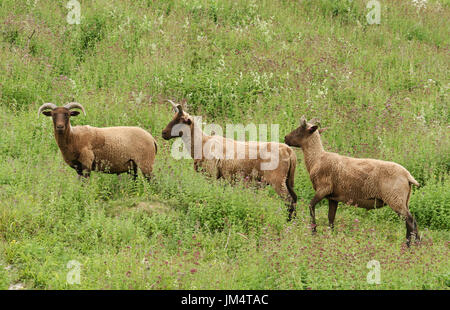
(291, 216)
(413, 237)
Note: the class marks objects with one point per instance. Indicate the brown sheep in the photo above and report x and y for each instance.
(219, 163)
(366, 183)
(111, 150)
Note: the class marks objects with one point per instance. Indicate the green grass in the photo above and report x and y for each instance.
(383, 91)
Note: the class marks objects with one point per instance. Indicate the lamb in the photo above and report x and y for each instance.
(111, 150)
(366, 183)
(230, 159)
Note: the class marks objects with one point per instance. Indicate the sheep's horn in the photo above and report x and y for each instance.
(303, 121)
(46, 106)
(176, 108)
(75, 105)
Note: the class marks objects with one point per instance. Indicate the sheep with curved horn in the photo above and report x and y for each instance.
(230, 159)
(110, 150)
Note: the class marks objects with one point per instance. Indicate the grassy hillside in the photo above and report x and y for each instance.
(383, 91)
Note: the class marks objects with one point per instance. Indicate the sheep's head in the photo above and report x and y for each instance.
(60, 115)
(299, 136)
(175, 128)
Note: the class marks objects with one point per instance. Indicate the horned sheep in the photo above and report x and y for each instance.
(366, 183)
(111, 150)
(230, 159)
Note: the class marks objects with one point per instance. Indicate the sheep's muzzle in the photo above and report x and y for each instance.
(166, 134)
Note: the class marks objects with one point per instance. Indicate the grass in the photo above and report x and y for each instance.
(381, 89)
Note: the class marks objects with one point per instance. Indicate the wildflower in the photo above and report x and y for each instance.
(420, 4)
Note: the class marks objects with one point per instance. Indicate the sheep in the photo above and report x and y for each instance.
(230, 159)
(366, 183)
(110, 150)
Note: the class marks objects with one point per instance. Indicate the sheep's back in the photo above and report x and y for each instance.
(245, 158)
(360, 178)
(118, 145)
(129, 138)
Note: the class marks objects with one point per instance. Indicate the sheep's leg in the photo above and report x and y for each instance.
(287, 193)
(411, 229)
(145, 164)
(133, 167)
(79, 169)
(86, 160)
(312, 207)
(82, 171)
(415, 230)
(293, 201)
(292, 211)
(411, 225)
(135, 172)
(290, 187)
(283, 192)
(312, 213)
(146, 169)
(293, 204)
(399, 203)
(332, 207)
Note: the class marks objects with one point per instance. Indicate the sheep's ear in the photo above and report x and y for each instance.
(313, 128)
(303, 121)
(322, 130)
(47, 113)
(74, 113)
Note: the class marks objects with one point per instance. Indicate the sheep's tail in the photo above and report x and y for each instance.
(291, 176)
(411, 180)
(156, 147)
